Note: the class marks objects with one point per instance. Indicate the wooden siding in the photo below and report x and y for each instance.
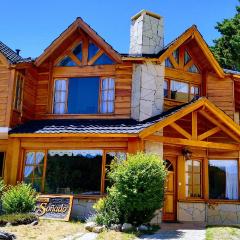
(123, 88)
(221, 93)
(4, 88)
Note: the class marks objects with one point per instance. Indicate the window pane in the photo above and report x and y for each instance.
(196, 179)
(103, 60)
(30, 158)
(38, 171)
(196, 191)
(196, 166)
(60, 96)
(67, 62)
(187, 58)
(188, 165)
(193, 69)
(59, 108)
(28, 171)
(168, 63)
(189, 190)
(78, 52)
(194, 92)
(83, 95)
(223, 179)
(92, 50)
(60, 85)
(37, 184)
(179, 91)
(165, 88)
(189, 178)
(74, 171)
(176, 55)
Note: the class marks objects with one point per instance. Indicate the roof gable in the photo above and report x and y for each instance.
(189, 34)
(78, 27)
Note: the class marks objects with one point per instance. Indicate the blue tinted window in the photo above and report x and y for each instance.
(78, 51)
(92, 50)
(67, 62)
(103, 60)
(83, 95)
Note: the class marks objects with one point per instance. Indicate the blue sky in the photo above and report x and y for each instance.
(33, 25)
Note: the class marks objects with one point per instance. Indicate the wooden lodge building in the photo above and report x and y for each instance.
(67, 113)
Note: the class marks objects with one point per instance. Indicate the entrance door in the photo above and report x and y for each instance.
(169, 207)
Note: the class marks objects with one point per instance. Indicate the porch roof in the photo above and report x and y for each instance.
(93, 126)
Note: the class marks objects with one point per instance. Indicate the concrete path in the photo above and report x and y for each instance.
(179, 231)
(82, 236)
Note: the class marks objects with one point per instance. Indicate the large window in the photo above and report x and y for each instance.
(180, 91)
(74, 172)
(69, 171)
(90, 95)
(193, 178)
(33, 169)
(223, 179)
(18, 98)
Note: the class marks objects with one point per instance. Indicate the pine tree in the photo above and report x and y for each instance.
(227, 46)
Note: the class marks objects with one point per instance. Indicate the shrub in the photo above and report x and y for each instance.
(19, 199)
(137, 190)
(17, 219)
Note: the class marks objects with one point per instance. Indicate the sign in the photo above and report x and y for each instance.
(56, 207)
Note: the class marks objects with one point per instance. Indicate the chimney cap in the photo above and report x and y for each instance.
(146, 12)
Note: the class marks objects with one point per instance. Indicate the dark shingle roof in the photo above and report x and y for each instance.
(228, 71)
(10, 55)
(127, 126)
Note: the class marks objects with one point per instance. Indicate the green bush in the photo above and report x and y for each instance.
(19, 199)
(17, 219)
(137, 190)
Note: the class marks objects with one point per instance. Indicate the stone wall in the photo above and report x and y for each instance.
(147, 90)
(146, 36)
(212, 214)
(223, 214)
(191, 212)
(82, 209)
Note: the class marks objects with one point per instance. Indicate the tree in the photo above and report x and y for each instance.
(227, 46)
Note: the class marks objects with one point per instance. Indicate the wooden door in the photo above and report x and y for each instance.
(169, 207)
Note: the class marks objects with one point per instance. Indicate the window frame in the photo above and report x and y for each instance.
(99, 97)
(190, 85)
(103, 169)
(3, 164)
(18, 78)
(192, 174)
(238, 178)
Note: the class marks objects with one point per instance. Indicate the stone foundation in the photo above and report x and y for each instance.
(223, 214)
(191, 212)
(82, 209)
(212, 214)
(157, 220)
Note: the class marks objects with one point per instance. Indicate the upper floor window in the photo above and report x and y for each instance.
(90, 95)
(182, 61)
(193, 178)
(93, 55)
(180, 91)
(18, 99)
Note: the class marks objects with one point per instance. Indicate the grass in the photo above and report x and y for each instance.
(112, 235)
(223, 233)
(46, 229)
(16, 219)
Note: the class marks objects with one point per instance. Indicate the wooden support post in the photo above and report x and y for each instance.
(194, 126)
(205, 179)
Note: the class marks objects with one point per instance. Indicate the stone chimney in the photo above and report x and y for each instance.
(148, 77)
(146, 33)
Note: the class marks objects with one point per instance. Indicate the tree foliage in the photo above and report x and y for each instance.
(227, 46)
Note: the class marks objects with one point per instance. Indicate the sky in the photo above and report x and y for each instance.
(32, 25)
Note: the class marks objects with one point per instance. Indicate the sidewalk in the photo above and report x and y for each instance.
(179, 231)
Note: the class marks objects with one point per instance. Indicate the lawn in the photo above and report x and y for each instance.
(223, 233)
(112, 235)
(47, 230)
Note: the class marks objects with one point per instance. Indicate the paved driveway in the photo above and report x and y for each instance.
(179, 231)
